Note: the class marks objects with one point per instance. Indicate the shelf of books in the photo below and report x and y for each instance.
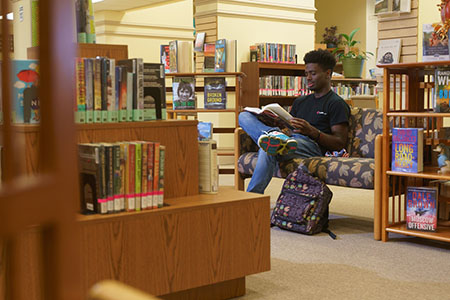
(416, 151)
(282, 83)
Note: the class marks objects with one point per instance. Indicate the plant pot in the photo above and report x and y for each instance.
(353, 67)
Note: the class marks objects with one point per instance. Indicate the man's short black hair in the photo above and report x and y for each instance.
(321, 57)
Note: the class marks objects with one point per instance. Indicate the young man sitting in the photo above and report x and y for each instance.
(320, 123)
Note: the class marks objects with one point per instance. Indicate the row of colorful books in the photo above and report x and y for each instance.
(220, 56)
(273, 52)
(279, 85)
(346, 90)
(184, 96)
(123, 91)
(123, 176)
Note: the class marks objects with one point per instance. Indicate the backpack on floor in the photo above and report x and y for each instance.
(303, 204)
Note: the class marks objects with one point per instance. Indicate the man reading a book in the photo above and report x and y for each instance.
(320, 123)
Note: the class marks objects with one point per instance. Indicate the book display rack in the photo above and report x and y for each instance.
(408, 103)
(234, 77)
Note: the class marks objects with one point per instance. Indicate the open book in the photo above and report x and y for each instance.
(273, 115)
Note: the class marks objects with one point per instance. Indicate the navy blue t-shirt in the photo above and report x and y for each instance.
(323, 112)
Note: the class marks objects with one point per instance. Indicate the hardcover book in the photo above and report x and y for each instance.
(208, 173)
(433, 48)
(199, 41)
(215, 93)
(80, 107)
(162, 158)
(220, 55)
(25, 79)
(407, 150)
(209, 55)
(389, 51)
(90, 178)
(183, 89)
(165, 57)
(173, 56)
(442, 89)
(421, 208)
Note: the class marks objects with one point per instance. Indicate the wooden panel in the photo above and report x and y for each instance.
(206, 26)
(117, 52)
(203, 20)
(197, 241)
(396, 24)
(408, 58)
(408, 50)
(393, 34)
(179, 137)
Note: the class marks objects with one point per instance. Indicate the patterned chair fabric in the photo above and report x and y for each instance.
(354, 171)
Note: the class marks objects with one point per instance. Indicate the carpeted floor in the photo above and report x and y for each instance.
(354, 266)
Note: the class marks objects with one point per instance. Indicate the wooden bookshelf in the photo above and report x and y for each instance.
(409, 109)
(196, 246)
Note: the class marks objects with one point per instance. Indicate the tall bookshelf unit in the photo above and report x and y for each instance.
(408, 103)
(197, 246)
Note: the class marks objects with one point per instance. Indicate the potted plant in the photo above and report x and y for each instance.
(352, 57)
(330, 38)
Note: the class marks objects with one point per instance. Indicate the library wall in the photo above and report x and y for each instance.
(145, 29)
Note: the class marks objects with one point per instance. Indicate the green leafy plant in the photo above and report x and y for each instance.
(350, 50)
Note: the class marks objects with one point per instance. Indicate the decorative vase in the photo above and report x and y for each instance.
(353, 67)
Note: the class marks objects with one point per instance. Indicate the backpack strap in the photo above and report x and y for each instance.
(330, 233)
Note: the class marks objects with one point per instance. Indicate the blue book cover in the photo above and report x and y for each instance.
(215, 93)
(220, 56)
(25, 80)
(421, 208)
(407, 150)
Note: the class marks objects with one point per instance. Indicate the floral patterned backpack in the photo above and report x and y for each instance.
(303, 204)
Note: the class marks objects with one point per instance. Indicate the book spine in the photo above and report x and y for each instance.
(117, 180)
(80, 115)
(89, 79)
(140, 89)
(138, 176)
(122, 171)
(97, 90)
(155, 174)
(103, 88)
(162, 157)
(144, 168)
(103, 199)
(130, 96)
(109, 156)
(131, 202)
(150, 162)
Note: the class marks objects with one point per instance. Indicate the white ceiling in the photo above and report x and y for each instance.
(120, 5)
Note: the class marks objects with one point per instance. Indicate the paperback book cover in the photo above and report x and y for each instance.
(407, 150)
(215, 93)
(433, 48)
(273, 115)
(25, 80)
(220, 56)
(183, 89)
(154, 92)
(421, 208)
(199, 41)
(442, 89)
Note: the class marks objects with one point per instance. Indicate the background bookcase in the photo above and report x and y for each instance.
(187, 249)
(254, 70)
(235, 87)
(408, 103)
